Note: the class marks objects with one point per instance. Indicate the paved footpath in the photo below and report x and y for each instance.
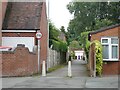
(78, 70)
(59, 79)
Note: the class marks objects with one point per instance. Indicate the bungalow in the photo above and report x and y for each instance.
(21, 22)
(110, 40)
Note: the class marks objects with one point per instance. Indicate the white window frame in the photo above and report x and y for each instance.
(110, 48)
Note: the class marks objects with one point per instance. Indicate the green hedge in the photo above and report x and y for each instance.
(60, 46)
(99, 59)
(56, 45)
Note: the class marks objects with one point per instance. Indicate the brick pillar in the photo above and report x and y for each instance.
(44, 31)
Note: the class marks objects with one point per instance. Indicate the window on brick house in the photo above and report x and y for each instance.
(110, 48)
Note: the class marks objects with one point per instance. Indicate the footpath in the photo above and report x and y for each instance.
(59, 79)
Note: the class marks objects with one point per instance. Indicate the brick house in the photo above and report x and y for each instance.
(21, 22)
(110, 40)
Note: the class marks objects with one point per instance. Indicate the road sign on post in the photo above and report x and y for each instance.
(38, 36)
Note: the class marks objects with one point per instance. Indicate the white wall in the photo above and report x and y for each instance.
(13, 41)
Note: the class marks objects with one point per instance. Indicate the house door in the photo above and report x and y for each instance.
(79, 57)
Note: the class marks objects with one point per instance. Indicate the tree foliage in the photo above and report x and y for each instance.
(83, 39)
(62, 29)
(74, 45)
(53, 33)
(57, 44)
(90, 16)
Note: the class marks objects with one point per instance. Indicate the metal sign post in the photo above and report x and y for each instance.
(38, 36)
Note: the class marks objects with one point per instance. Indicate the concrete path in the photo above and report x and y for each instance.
(59, 79)
(60, 82)
(78, 70)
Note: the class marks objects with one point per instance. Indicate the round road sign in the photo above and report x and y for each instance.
(38, 35)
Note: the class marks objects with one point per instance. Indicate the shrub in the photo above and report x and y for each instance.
(98, 55)
(72, 54)
(60, 46)
(85, 42)
(56, 45)
(63, 46)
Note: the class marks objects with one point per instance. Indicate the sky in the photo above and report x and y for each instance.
(58, 13)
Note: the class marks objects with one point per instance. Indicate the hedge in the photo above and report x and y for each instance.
(99, 59)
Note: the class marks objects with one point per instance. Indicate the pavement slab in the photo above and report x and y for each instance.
(59, 79)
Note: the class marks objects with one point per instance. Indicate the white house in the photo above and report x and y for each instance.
(79, 54)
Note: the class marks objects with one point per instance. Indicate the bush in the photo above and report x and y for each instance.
(87, 47)
(99, 59)
(60, 46)
(72, 54)
(63, 46)
(85, 42)
(56, 45)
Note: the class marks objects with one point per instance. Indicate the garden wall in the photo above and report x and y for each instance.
(19, 62)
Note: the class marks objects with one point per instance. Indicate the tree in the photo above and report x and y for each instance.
(88, 15)
(74, 45)
(102, 23)
(56, 43)
(83, 39)
(62, 29)
(53, 33)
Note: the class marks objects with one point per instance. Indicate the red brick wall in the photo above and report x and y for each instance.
(44, 31)
(111, 32)
(91, 59)
(19, 63)
(11, 34)
(3, 6)
(110, 67)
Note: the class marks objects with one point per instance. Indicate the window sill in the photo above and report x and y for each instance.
(111, 60)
